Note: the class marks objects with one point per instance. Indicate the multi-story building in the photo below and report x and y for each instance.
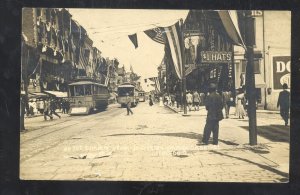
(57, 50)
(272, 56)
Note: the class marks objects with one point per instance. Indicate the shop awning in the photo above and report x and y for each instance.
(37, 95)
(259, 81)
(58, 94)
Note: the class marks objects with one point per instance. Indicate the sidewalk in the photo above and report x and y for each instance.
(202, 111)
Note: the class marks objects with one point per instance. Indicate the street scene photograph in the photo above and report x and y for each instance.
(155, 95)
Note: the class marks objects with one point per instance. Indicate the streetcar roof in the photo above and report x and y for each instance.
(87, 83)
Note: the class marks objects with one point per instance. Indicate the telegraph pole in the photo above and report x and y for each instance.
(250, 79)
(183, 70)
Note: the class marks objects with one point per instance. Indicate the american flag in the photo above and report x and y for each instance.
(156, 34)
(173, 36)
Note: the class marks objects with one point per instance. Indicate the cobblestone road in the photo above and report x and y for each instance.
(153, 144)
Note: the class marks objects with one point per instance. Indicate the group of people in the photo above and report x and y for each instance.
(50, 107)
(214, 104)
(194, 99)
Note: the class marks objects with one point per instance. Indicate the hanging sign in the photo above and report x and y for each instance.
(216, 57)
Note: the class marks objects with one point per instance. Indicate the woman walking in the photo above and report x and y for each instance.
(239, 109)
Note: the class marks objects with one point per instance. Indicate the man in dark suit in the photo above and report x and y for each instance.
(284, 103)
(214, 106)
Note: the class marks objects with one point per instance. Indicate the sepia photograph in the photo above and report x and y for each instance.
(155, 95)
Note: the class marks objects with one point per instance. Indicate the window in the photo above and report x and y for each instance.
(88, 90)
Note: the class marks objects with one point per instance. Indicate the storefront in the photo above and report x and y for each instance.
(208, 54)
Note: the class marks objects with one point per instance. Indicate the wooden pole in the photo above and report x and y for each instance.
(183, 70)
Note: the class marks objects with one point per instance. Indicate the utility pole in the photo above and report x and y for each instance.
(183, 70)
(250, 79)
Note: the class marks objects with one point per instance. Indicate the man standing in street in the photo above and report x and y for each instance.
(53, 107)
(214, 106)
(47, 110)
(128, 104)
(284, 103)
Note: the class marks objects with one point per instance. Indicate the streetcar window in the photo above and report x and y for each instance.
(95, 89)
(124, 90)
(72, 90)
(79, 90)
(88, 90)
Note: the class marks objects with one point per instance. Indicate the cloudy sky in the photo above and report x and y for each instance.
(109, 30)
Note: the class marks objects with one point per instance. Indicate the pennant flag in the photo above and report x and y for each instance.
(106, 81)
(133, 39)
(156, 34)
(173, 36)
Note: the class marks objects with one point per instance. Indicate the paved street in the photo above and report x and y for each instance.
(153, 144)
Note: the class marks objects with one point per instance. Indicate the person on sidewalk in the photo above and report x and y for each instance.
(284, 103)
(128, 104)
(226, 95)
(173, 100)
(214, 106)
(189, 100)
(239, 108)
(196, 100)
(47, 110)
(150, 101)
(53, 107)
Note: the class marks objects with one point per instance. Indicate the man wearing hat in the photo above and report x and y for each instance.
(284, 103)
(214, 106)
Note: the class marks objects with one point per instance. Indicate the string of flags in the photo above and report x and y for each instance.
(169, 36)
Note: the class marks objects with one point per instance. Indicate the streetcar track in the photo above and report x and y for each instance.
(91, 117)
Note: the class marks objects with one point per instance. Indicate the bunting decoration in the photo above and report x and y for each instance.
(156, 34)
(156, 83)
(133, 39)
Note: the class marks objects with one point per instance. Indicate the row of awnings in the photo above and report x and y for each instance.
(46, 94)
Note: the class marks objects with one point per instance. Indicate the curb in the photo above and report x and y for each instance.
(174, 110)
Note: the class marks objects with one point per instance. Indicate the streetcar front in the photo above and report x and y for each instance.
(81, 98)
(126, 92)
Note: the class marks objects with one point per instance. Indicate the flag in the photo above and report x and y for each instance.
(156, 34)
(133, 39)
(157, 84)
(106, 81)
(174, 42)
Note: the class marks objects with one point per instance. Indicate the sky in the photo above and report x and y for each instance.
(109, 30)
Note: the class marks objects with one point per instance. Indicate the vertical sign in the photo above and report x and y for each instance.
(281, 71)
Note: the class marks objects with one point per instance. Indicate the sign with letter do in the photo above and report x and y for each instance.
(281, 71)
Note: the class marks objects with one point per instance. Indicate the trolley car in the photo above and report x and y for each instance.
(130, 90)
(87, 96)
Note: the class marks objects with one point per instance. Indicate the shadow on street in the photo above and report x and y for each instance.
(268, 168)
(275, 133)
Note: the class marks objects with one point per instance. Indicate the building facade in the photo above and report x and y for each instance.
(272, 63)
